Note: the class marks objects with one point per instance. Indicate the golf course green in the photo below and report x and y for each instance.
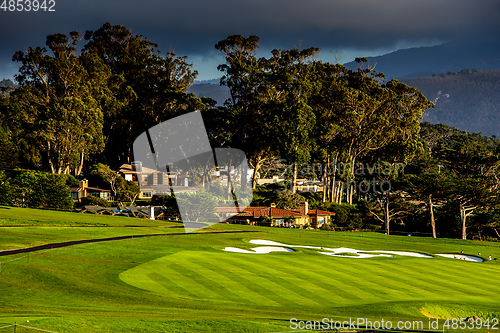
(188, 283)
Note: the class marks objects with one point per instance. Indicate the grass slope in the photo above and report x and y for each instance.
(16, 216)
(186, 283)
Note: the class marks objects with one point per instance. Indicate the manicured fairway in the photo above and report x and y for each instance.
(306, 279)
(187, 283)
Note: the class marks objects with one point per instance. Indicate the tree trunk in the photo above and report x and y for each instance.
(351, 192)
(339, 191)
(78, 170)
(52, 168)
(333, 188)
(255, 170)
(387, 218)
(325, 178)
(229, 187)
(498, 235)
(294, 178)
(244, 177)
(463, 218)
(132, 199)
(431, 212)
(350, 186)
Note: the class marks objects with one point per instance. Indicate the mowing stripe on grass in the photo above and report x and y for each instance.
(323, 278)
(455, 281)
(357, 280)
(271, 269)
(145, 277)
(196, 282)
(283, 283)
(171, 286)
(393, 284)
(175, 271)
(482, 274)
(264, 286)
(229, 271)
(315, 290)
(212, 281)
(354, 277)
(231, 281)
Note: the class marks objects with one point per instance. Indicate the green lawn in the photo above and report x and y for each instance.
(15, 216)
(186, 283)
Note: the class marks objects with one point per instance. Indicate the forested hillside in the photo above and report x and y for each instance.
(423, 61)
(352, 131)
(468, 100)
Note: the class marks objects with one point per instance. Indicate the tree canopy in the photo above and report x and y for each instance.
(82, 105)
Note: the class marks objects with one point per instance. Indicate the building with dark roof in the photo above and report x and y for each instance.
(83, 190)
(277, 217)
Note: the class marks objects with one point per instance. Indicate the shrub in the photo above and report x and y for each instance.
(94, 201)
(326, 227)
(347, 215)
(39, 189)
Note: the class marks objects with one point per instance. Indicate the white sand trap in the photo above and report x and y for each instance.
(335, 253)
(267, 242)
(405, 253)
(366, 254)
(260, 249)
(461, 257)
(343, 252)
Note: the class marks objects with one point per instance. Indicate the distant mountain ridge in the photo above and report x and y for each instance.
(215, 91)
(444, 58)
(468, 100)
(465, 99)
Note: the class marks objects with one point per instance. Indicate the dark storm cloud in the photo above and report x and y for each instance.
(192, 27)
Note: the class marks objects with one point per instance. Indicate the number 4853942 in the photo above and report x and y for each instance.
(28, 5)
(463, 323)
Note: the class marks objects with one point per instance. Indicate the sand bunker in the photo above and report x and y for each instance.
(267, 242)
(461, 257)
(356, 253)
(405, 253)
(343, 252)
(360, 253)
(260, 249)
(367, 254)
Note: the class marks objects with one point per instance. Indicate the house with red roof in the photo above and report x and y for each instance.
(277, 217)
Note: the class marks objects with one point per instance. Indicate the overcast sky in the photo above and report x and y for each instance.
(193, 27)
